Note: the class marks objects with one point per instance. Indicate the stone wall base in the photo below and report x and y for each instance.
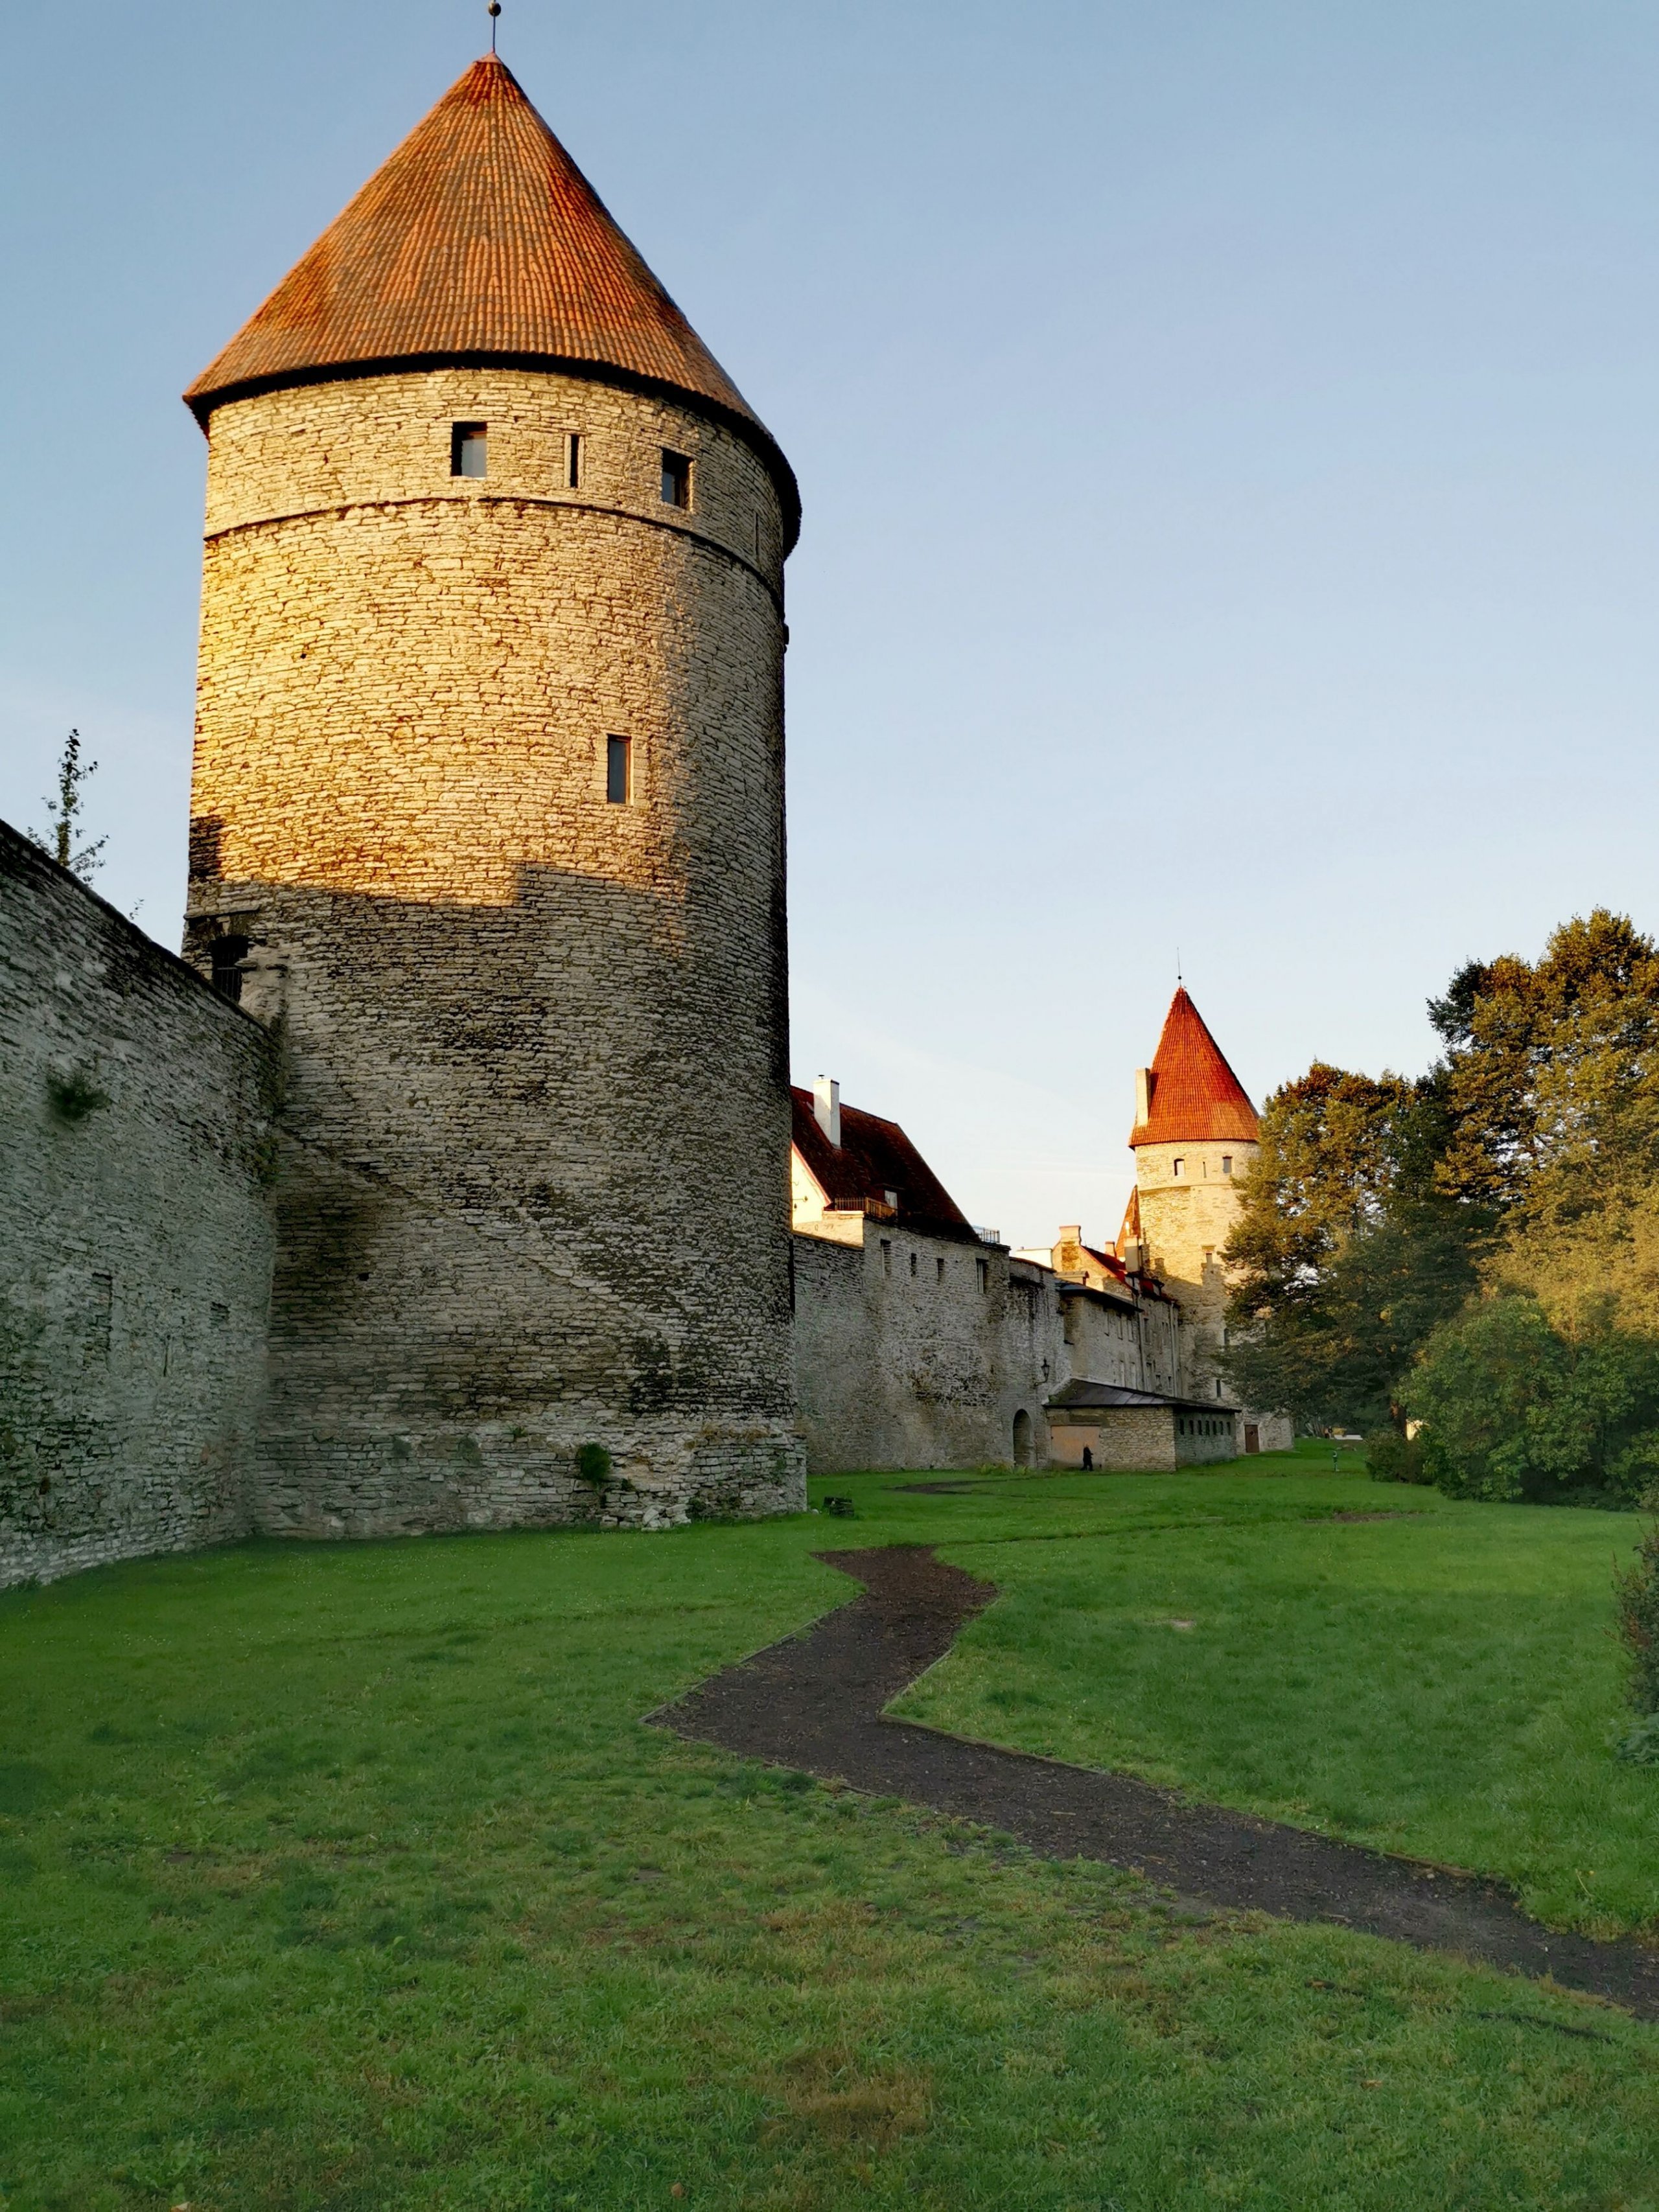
(369, 1485)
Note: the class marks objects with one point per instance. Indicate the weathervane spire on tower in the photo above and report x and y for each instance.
(494, 11)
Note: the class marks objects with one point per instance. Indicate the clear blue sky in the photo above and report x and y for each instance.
(1229, 448)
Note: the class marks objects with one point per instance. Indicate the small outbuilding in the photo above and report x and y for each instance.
(1103, 1424)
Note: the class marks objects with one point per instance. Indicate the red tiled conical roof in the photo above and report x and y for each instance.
(1196, 1097)
(478, 240)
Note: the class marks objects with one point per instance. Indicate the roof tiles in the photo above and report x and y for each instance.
(1195, 1097)
(479, 239)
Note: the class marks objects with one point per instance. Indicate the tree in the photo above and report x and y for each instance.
(1512, 1407)
(1527, 1160)
(1345, 1254)
(59, 840)
(1550, 1083)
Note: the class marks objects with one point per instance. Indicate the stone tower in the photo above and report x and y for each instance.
(1195, 1136)
(488, 814)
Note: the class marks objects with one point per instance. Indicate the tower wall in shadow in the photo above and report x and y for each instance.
(532, 1194)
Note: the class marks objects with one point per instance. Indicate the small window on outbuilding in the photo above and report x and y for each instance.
(676, 479)
(469, 449)
(618, 770)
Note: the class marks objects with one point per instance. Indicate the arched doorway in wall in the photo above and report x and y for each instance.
(1021, 1438)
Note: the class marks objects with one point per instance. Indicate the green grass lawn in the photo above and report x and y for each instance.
(1443, 1685)
(346, 1877)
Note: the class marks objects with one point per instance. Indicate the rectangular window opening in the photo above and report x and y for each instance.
(469, 449)
(886, 1257)
(1178, 1167)
(573, 462)
(618, 770)
(676, 479)
(1226, 1164)
(913, 1263)
(939, 1267)
(984, 1268)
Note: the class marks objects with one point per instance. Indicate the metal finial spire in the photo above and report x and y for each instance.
(494, 11)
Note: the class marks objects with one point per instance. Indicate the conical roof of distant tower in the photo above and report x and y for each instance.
(1195, 1097)
(479, 240)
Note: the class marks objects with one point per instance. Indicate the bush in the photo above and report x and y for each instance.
(1512, 1408)
(1639, 1744)
(1637, 1592)
(1390, 1457)
(593, 1465)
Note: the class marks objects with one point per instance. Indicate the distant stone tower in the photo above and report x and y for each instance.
(1195, 1136)
(488, 811)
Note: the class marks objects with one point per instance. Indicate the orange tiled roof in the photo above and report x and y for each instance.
(1196, 1097)
(478, 240)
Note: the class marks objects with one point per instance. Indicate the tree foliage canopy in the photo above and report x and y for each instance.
(1523, 1170)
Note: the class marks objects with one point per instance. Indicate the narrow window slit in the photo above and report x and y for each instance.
(618, 770)
(676, 479)
(469, 449)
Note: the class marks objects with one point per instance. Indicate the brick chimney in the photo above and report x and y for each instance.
(826, 1108)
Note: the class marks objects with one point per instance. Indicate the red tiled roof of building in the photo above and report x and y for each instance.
(1195, 1097)
(873, 1157)
(478, 240)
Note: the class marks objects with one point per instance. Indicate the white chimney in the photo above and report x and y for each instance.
(1145, 1080)
(826, 1108)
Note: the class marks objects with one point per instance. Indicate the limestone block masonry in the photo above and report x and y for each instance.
(1186, 1218)
(135, 1156)
(533, 1194)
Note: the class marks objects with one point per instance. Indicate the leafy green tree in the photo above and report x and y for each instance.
(1346, 1256)
(60, 838)
(1550, 1083)
(1527, 1159)
(1512, 1407)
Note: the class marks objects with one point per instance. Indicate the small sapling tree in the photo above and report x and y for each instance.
(61, 838)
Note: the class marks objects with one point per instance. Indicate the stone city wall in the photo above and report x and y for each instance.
(900, 1351)
(136, 1113)
(536, 1198)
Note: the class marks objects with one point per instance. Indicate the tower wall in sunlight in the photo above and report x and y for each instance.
(488, 819)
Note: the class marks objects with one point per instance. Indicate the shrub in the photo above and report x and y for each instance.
(1639, 1744)
(74, 1096)
(1390, 1457)
(1636, 1591)
(1513, 1408)
(593, 1465)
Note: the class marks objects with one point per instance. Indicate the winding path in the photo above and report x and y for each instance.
(814, 1702)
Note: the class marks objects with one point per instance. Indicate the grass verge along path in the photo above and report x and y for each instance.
(1443, 1685)
(344, 1877)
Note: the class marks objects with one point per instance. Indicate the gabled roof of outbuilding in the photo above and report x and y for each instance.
(478, 240)
(873, 1157)
(1196, 1097)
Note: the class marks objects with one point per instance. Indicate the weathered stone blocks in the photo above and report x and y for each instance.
(136, 1152)
(533, 1194)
